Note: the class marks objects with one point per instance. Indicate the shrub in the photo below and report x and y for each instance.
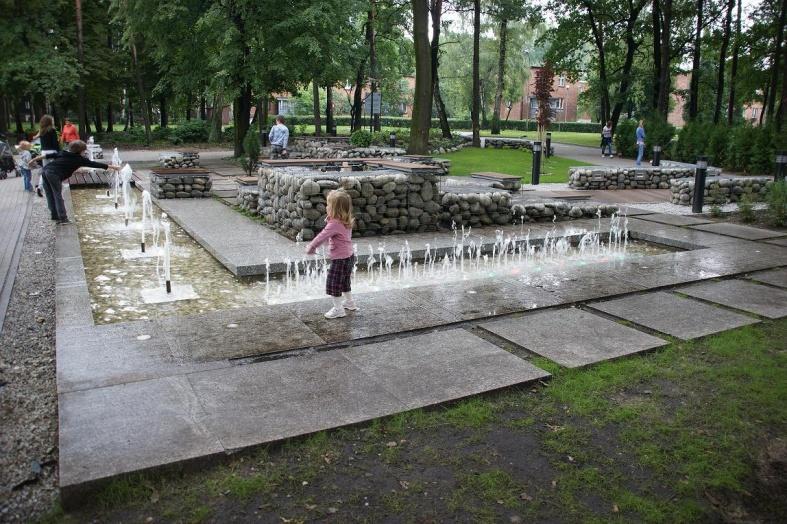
(625, 139)
(715, 211)
(697, 138)
(777, 203)
(380, 138)
(361, 138)
(190, 131)
(746, 209)
(251, 150)
(657, 131)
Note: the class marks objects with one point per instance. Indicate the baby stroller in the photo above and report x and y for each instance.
(7, 165)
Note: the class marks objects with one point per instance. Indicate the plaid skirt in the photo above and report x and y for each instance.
(339, 274)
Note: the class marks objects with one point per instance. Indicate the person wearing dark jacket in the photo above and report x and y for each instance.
(61, 166)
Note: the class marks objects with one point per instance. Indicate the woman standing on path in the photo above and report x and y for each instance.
(49, 144)
(606, 139)
(640, 141)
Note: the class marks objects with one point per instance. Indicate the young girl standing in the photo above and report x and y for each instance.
(338, 233)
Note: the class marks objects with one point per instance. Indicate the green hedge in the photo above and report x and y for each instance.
(741, 148)
(657, 132)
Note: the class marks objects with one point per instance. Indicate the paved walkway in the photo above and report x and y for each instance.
(15, 207)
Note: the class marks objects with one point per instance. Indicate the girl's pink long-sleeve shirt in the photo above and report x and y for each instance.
(339, 239)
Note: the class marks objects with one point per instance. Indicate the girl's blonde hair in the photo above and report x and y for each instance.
(46, 123)
(340, 207)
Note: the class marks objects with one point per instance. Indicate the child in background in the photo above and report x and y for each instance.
(23, 165)
(338, 234)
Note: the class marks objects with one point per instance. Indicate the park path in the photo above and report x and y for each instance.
(15, 205)
(591, 155)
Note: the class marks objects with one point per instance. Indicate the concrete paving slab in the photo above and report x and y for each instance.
(69, 270)
(674, 315)
(740, 231)
(667, 269)
(72, 306)
(580, 283)
(675, 220)
(267, 401)
(128, 427)
(741, 294)
(236, 333)
(777, 241)
(675, 236)
(572, 337)
(437, 367)
(113, 354)
(634, 211)
(379, 314)
(774, 277)
(484, 298)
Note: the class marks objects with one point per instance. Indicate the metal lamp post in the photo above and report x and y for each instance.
(656, 156)
(392, 139)
(548, 148)
(536, 162)
(699, 184)
(781, 166)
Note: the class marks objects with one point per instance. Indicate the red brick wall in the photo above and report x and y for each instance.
(566, 91)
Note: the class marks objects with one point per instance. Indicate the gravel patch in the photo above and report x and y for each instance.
(674, 209)
(28, 389)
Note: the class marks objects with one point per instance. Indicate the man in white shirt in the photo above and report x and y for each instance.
(278, 137)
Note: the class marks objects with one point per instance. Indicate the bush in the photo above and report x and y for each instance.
(189, 131)
(746, 209)
(777, 203)
(361, 138)
(751, 149)
(251, 150)
(657, 132)
(698, 138)
(625, 139)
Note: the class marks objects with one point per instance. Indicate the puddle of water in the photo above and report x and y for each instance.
(119, 282)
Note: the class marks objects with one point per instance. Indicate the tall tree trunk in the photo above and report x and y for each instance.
(203, 108)
(18, 117)
(656, 23)
(357, 107)
(436, 11)
(734, 71)
(665, 83)
(783, 100)
(110, 120)
(241, 113)
(163, 107)
(764, 102)
(476, 103)
(328, 109)
(775, 63)
(725, 43)
(371, 38)
(129, 120)
(83, 122)
(262, 108)
(189, 103)
(422, 97)
(694, 86)
(598, 38)
(216, 115)
(3, 114)
(97, 118)
(501, 76)
(142, 95)
(316, 108)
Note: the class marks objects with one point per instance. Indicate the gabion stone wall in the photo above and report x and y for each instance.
(513, 143)
(722, 190)
(626, 177)
(555, 211)
(180, 185)
(475, 209)
(313, 147)
(179, 160)
(385, 202)
(248, 198)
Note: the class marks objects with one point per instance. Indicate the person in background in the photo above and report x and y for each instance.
(61, 166)
(640, 134)
(47, 135)
(23, 165)
(278, 138)
(606, 139)
(69, 133)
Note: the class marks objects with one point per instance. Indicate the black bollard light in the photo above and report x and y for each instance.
(264, 137)
(116, 205)
(536, 162)
(126, 222)
(169, 286)
(656, 156)
(548, 149)
(392, 139)
(107, 192)
(143, 247)
(781, 166)
(699, 184)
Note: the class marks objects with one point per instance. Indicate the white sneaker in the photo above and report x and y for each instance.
(349, 305)
(335, 313)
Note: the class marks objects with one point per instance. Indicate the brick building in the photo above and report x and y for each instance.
(564, 102)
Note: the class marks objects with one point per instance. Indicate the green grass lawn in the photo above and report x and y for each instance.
(692, 432)
(509, 161)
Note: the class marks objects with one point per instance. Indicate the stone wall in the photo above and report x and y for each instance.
(592, 177)
(557, 211)
(179, 160)
(721, 190)
(292, 199)
(179, 185)
(475, 209)
(248, 198)
(512, 143)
